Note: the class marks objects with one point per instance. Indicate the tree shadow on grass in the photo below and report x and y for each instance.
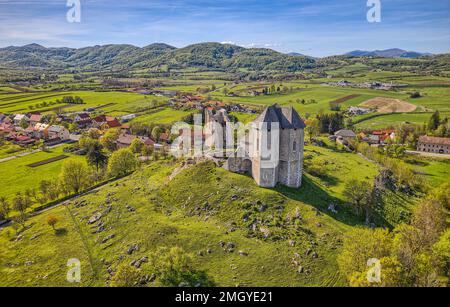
(61, 232)
(313, 195)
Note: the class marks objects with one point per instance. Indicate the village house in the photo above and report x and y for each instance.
(6, 128)
(128, 117)
(35, 118)
(104, 122)
(124, 140)
(167, 93)
(125, 128)
(82, 120)
(344, 136)
(378, 137)
(23, 140)
(41, 130)
(434, 144)
(2, 117)
(58, 132)
(164, 138)
(355, 111)
(19, 117)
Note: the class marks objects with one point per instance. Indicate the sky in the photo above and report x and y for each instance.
(312, 27)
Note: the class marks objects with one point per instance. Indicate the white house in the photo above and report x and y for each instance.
(60, 132)
(18, 118)
(128, 117)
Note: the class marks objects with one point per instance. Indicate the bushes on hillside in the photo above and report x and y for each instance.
(412, 255)
(122, 162)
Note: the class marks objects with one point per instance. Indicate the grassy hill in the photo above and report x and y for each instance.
(196, 207)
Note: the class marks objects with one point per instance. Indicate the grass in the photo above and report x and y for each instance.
(119, 102)
(340, 167)
(18, 177)
(197, 209)
(8, 149)
(435, 170)
(165, 116)
(384, 121)
(168, 214)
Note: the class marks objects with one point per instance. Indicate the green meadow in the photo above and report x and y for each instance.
(115, 103)
(165, 116)
(18, 177)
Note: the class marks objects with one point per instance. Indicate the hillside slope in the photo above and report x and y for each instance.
(199, 208)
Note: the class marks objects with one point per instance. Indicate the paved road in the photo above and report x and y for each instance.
(428, 154)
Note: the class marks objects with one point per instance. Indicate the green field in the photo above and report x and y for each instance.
(165, 116)
(115, 103)
(18, 177)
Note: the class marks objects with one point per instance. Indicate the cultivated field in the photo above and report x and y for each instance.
(388, 105)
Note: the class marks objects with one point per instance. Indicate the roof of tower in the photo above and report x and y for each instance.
(288, 118)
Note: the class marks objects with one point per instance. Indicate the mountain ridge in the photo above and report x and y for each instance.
(388, 53)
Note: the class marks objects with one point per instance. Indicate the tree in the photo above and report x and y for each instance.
(431, 221)
(87, 142)
(360, 245)
(434, 121)
(441, 131)
(312, 127)
(49, 189)
(441, 195)
(415, 244)
(156, 132)
(74, 176)
(172, 267)
(415, 95)
(41, 145)
(122, 162)
(52, 221)
(359, 194)
(109, 139)
(23, 123)
(4, 208)
(126, 276)
(95, 155)
(21, 203)
(136, 146)
(147, 151)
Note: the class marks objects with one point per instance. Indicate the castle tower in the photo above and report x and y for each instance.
(284, 126)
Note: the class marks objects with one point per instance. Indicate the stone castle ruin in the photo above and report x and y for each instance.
(278, 131)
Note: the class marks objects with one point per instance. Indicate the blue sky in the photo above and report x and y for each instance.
(313, 27)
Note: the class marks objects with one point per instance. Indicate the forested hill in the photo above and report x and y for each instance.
(225, 57)
(205, 55)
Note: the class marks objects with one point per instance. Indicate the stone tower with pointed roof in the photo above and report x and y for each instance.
(288, 168)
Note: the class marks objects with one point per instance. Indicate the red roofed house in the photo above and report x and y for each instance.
(111, 122)
(164, 137)
(83, 120)
(124, 140)
(34, 119)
